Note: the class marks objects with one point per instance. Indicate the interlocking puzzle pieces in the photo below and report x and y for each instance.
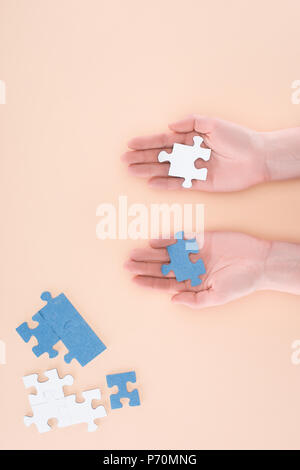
(52, 389)
(46, 337)
(83, 344)
(121, 381)
(50, 402)
(181, 264)
(182, 161)
(59, 320)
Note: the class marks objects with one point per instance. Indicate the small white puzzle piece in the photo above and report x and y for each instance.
(50, 402)
(83, 412)
(52, 389)
(182, 161)
(45, 411)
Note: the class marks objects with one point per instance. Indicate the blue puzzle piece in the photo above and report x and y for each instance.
(181, 264)
(46, 337)
(121, 381)
(83, 344)
(59, 320)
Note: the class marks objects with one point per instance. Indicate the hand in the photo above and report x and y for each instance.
(234, 265)
(237, 159)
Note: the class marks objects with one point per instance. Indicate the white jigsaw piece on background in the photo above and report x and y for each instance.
(50, 402)
(182, 161)
(52, 389)
(83, 412)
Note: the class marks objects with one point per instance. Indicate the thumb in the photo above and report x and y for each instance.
(202, 299)
(201, 124)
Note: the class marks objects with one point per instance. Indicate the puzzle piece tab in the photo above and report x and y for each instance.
(180, 264)
(45, 335)
(50, 402)
(43, 412)
(121, 381)
(83, 344)
(82, 412)
(59, 320)
(182, 161)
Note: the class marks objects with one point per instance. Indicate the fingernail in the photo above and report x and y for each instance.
(154, 183)
(134, 254)
(131, 144)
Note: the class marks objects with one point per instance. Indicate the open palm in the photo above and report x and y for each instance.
(234, 268)
(237, 159)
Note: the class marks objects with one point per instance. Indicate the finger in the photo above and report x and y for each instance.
(149, 170)
(207, 185)
(161, 141)
(201, 124)
(141, 156)
(147, 156)
(176, 183)
(150, 254)
(162, 242)
(143, 268)
(202, 299)
(166, 183)
(166, 284)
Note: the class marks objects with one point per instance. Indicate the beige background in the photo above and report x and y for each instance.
(82, 77)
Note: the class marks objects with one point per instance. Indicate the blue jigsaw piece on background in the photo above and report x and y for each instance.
(83, 344)
(59, 320)
(181, 264)
(121, 381)
(46, 337)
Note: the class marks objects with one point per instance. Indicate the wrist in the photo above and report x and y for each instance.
(282, 268)
(281, 153)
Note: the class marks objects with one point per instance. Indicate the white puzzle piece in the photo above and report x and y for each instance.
(45, 411)
(52, 389)
(83, 412)
(50, 402)
(182, 161)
